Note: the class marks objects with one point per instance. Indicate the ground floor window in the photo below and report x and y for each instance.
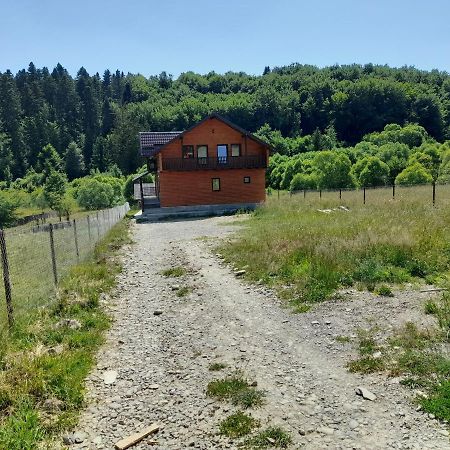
(216, 184)
(247, 179)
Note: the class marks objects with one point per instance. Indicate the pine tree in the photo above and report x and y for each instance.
(48, 161)
(74, 161)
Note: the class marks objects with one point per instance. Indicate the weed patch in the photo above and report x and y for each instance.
(174, 272)
(273, 437)
(215, 367)
(184, 291)
(238, 425)
(237, 389)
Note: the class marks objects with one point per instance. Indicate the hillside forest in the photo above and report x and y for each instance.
(338, 126)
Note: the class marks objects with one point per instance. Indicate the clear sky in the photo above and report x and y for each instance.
(149, 36)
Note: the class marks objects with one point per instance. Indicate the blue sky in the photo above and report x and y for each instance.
(150, 36)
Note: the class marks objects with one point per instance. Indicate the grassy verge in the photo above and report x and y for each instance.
(309, 248)
(44, 361)
(418, 356)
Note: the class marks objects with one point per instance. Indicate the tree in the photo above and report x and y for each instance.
(414, 174)
(302, 181)
(333, 170)
(54, 189)
(48, 161)
(93, 194)
(370, 171)
(74, 161)
(6, 158)
(7, 210)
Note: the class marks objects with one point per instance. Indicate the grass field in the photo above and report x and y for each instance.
(308, 247)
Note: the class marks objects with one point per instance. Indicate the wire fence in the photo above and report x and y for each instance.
(435, 194)
(34, 258)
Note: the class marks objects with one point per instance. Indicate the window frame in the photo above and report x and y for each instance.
(202, 160)
(247, 177)
(225, 158)
(231, 150)
(212, 184)
(183, 152)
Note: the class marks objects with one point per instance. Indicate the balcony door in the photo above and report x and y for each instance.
(222, 153)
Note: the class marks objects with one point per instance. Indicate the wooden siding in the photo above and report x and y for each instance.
(195, 188)
(186, 188)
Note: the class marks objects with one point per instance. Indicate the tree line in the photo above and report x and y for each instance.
(92, 121)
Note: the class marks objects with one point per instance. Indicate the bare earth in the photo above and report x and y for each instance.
(162, 360)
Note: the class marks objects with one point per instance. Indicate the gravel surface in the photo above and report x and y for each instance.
(154, 366)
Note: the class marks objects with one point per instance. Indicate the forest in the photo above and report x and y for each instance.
(365, 123)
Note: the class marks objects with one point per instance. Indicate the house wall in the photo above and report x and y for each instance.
(186, 188)
(195, 187)
(213, 132)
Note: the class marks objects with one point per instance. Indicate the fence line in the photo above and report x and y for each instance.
(34, 259)
(434, 190)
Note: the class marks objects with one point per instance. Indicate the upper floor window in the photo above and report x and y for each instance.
(222, 153)
(235, 149)
(202, 154)
(188, 151)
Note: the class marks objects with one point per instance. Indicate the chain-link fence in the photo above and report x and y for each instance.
(34, 258)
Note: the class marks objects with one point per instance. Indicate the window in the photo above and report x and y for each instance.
(222, 153)
(235, 149)
(247, 180)
(216, 184)
(188, 151)
(202, 154)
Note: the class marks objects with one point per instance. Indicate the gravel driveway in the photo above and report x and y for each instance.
(162, 360)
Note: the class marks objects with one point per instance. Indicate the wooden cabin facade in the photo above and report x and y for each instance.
(215, 162)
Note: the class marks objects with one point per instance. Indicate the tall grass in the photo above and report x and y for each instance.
(308, 254)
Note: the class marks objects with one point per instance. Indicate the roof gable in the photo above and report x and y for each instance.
(152, 143)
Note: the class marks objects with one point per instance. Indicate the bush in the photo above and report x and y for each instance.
(414, 174)
(303, 181)
(7, 209)
(93, 194)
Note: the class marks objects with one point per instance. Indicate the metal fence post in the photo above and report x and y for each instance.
(320, 193)
(364, 200)
(53, 253)
(434, 192)
(340, 194)
(75, 235)
(304, 193)
(89, 226)
(6, 279)
(393, 191)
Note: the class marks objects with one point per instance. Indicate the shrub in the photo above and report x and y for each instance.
(93, 194)
(302, 181)
(414, 174)
(7, 209)
(238, 425)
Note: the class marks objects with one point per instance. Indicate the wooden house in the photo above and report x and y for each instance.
(215, 162)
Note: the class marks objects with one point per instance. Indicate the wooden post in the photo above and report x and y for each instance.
(393, 191)
(141, 187)
(304, 193)
(6, 280)
(89, 226)
(75, 236)
(340, 194)
(98, 228)
(364, 201)
(320, 193)
(434, 192)
(53, 253)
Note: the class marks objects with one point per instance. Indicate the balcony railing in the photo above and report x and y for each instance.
(228, 162)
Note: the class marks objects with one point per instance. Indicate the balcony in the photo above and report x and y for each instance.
(220, 163)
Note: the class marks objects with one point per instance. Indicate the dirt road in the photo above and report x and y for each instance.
(161, 361)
